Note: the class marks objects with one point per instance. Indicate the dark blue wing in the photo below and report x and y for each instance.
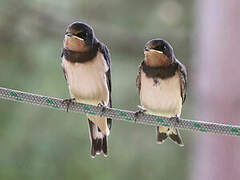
(183, 80)
(104, 50)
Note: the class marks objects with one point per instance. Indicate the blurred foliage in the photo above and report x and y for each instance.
(38, 143)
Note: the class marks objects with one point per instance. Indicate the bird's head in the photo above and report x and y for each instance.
(158, 52)
(79, 36)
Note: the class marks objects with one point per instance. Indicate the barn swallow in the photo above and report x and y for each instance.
(86, 65)
(161, 83)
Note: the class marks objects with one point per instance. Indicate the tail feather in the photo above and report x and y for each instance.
(104, 146)
(98, 140)
(93, 148)
(161, 136)
(98, 145)
(173, 133)
(176, 137)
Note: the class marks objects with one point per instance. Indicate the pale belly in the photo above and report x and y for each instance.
(87, 81)
(162, 98)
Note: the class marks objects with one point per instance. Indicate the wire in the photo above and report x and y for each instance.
(125, 115)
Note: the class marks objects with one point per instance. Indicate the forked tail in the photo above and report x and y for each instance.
(98, 140)
(164, 132)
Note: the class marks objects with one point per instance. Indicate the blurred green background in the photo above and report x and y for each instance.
(40, 143)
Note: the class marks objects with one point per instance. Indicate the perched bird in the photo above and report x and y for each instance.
(86, 66)
(161, 82)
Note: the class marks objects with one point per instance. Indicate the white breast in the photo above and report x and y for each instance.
(163, 98)
(87, 81)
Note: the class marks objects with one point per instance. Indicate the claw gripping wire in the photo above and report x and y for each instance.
(146, 119)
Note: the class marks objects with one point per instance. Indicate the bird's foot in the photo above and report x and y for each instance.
(103, 106)
(175, 118)
(68, 102)
(156, 81)
(140, 112)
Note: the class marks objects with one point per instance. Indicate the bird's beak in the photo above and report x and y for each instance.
(78, 38)
(153, 50)
(146, 49)
(69, 34)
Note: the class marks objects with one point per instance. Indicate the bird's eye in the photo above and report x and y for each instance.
(164, 48)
